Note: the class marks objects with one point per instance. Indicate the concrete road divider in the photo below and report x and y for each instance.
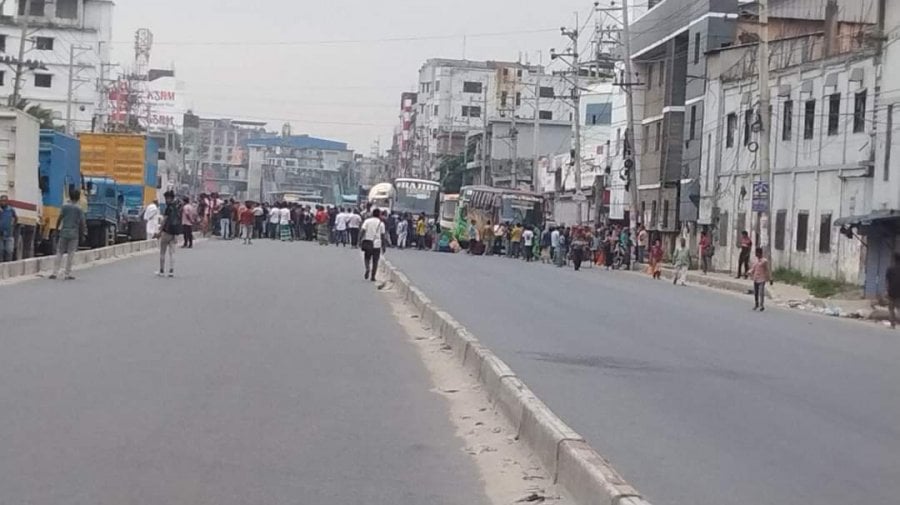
(584, 474)
(44, 265)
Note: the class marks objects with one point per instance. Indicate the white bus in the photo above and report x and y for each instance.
(417, 196)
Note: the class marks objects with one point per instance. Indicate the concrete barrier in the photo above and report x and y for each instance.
(33, 266)
(585, 475)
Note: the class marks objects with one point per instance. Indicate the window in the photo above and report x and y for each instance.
(519, 73)
(471, 87)
(436, 109)
(696, 48)
(650, 76)
(665, 216)
(503, 96)
(741, 226)
(787, 120)
(653, 215)
(834, 113)
(2, 43)
(619, 141)
(748, 125)
(43, 43)
(599, 113)
(802, 229)
(37, 8)
(662, 72)
(658, 141)
(547, 92)
(693, 128)
(646, 141)
(518, 99)
(643, 216)
(546, 114)
(67, 9)
(2, 78)
(43, 81)
(780, 219)
(723, 230)
(859, 112)
(437, 86)
(825, 234)
(809, 118)
(471, 111)
(731, 127)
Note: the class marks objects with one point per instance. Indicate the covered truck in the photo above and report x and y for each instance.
(59, 174)
(132, 163)
(19, 137)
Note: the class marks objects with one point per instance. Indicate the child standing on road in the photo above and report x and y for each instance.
(761, 274)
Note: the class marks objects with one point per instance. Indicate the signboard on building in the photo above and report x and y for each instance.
(760, 196)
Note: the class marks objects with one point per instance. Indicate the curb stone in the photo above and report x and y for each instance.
(581, 471)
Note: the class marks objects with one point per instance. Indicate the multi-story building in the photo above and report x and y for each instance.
(459, 96)
(307, 168)
(71, 41)
(823, 89)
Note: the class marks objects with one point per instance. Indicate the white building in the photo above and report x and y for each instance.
(823, 111)
(458, 96)
(62, 31)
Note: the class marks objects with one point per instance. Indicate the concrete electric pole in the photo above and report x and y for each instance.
(73, 78)
(575, 66)
(632, 171)
(765, 119)
(17, 82)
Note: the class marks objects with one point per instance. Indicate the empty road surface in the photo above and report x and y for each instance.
(695, 398)
(270, 374)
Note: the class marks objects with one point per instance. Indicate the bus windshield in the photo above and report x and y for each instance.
(523, 210)
(448, 210)
(416, 197)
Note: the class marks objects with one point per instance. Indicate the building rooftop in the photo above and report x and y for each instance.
(299, 142)
(486, 65)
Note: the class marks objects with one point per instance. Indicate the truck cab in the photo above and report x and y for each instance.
(104, 211)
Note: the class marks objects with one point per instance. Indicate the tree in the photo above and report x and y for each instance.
(452, 170)
(45, 116)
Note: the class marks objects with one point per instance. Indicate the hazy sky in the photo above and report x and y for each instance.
(272, 59)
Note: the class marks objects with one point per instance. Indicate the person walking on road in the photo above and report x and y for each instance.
(545, 246)
(515, 238)
(188, 219)
(893, 289)
(8, 221)
(402, 233)
(284, 224)
(421, 228)
(225, 215)
(168, 235)
(528, 243)
(682, 263)
(473, 237)
(656, 258)
(274, 220)
(72, 225)
(761, 274)
(578, 247)
(247, 220)
(354, 221)
(487, 238)
(744, 258)
(340, 228)
(372, 236)
(706, 252)
(562, 250)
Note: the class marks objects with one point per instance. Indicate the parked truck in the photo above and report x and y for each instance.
(19, 137)
(132, 163)
(104, 211)
(59, 174)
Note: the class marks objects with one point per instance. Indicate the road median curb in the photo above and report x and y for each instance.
(585, 475)
(15, 270)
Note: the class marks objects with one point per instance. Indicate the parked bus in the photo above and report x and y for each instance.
(381, 196)
(449, 203)
(497, 205)
(417, 196)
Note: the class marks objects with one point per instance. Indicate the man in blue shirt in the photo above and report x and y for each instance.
(8, 221)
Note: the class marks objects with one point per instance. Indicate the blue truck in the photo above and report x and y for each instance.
(59, 173)
(104, 211)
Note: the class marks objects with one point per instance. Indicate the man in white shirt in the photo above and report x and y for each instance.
(354, 221)
(284, 224)
(274, 220)
(340, 226)
(528, 243)
(372, 231)
(152, 218)
(554, 243)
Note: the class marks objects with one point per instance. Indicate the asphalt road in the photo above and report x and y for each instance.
(695, 398)
(270, 374)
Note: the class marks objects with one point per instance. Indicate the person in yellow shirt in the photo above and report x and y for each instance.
(516, 240)
(487, 238)
(420, 232)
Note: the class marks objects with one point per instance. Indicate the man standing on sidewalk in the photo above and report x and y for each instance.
(744, 258)
(761, 274)
(72, 226)
(171, 228)
(706, 251)
(8, 220)
(682, 263)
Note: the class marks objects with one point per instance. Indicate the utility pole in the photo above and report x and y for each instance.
(72, 80)
(765, 121)
(536, 158)
(632, 172)
(514, 133)
(484, 122)
(17, 83)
